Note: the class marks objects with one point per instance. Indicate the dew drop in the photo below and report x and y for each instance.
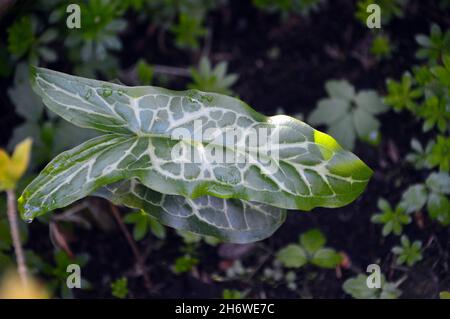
(121, 92)
(88, 94)
(106, 91)
(29, 212)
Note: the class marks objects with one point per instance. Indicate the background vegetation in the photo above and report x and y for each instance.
(384, 93)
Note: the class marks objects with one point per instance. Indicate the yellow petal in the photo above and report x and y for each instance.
(12, 288)
(5, 164)
(21, 158)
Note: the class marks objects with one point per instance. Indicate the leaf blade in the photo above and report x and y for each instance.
(230, 220)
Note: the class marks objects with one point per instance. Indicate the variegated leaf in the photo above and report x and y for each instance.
(231, 220)
(311, 168)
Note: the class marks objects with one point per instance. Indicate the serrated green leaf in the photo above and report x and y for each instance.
(313, 170)
(228, 219)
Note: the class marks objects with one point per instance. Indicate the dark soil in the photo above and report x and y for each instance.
(329, 44)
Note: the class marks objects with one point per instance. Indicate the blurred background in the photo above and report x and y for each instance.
(294, 57)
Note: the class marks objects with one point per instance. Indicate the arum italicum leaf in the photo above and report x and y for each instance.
(142, 126)
(229, 219)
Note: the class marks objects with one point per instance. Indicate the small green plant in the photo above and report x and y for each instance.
(425, 95)
(419, 156)
(434, 194)
(209, 79)
(23, 40)
(232, 294)
(408, 253)
(188, 31)
(92, 46)
(119, 288)
(144, 72)
(57, 272)
(143, 224)
(358, 289)
(439, 155)
(392, 219)
(310, 250)
(402, 94)
(381, 47)
(184, 264)
(348, 114)
(435, 45)
(132, 166)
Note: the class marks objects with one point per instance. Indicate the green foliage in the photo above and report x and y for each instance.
(132, 166)
(389, 10)
(434, 193)
(392, 219)
(119, 288)
(401, 94)
(23, 40)
(358, 289)
(188, 31)
(420, 154)
(143, 223)
(427, 96)
(435, 45)
(440, 154)
(381, 47)
(210, 79)
(184, 264)
(409, 253)
(232, 294)
(57, 273)
(21, 36)
(348, 114)
(90, 47)
(310, 250)
(144, 72)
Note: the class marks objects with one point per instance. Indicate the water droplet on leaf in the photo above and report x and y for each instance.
(88, 94)
(106, 91)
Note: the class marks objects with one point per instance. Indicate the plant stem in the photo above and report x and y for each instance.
(14, 226)
(137, 255)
